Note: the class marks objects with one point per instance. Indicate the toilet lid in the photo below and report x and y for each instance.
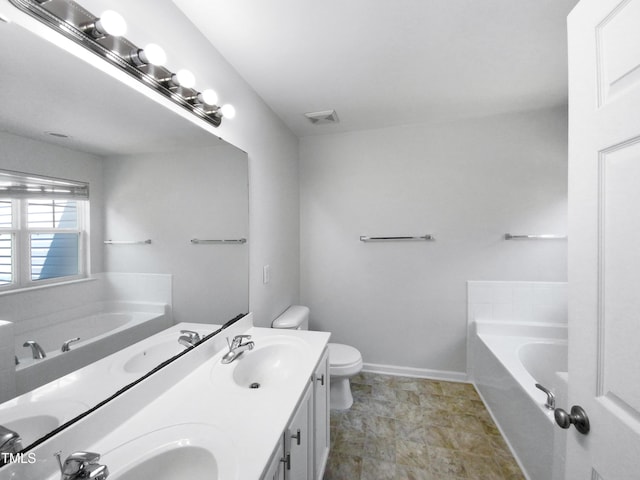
(340, 354)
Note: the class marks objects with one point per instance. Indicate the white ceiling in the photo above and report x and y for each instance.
(392, 62)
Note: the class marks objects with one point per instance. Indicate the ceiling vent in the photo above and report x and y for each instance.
(319, 118)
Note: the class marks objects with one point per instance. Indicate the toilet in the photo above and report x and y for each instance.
(345, 361)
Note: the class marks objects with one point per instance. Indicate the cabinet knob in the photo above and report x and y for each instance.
(298, 437)
(320, 379)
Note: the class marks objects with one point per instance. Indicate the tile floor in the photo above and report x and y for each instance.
(416, 429)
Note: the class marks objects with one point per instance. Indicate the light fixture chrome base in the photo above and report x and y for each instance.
(70, 20)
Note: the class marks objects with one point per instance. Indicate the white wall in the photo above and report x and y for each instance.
(170, 198)
(468, 183)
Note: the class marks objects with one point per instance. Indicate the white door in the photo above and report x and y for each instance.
(604, 238)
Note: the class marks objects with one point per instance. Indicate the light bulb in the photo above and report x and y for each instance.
(111, 23)
(228, 111)
(153, 54)
(185, 78)
(208, 97)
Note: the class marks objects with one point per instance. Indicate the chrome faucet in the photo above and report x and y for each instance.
(82, 465)
(10, 441)
(551, 398)
(188, 338)
(36, 350)
(237, 348)
(66, 345)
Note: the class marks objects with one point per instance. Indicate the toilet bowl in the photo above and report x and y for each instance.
(345, 361)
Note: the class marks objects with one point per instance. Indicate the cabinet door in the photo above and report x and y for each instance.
(321, 416)
(298, 440)
(275, 471)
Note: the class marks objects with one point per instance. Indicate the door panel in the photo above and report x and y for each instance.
(604, 248)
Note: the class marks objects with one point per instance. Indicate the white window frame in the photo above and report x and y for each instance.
(21, 245)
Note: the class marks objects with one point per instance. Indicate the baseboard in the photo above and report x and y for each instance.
(415, 372)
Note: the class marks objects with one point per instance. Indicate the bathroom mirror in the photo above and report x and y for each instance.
(157, 182)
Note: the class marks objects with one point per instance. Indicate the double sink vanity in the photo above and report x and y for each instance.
(262, 415)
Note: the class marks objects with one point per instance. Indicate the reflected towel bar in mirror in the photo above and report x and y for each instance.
(364, 238)
(197, 241)
(127, 242)
(509, 236)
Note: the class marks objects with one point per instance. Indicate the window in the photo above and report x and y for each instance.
(42, 230)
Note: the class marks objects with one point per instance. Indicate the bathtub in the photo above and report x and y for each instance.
(507, 360)
(103, 328)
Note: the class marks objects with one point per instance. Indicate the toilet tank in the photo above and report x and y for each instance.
(296, 317)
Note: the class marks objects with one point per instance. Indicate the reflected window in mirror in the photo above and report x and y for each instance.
(42, 230)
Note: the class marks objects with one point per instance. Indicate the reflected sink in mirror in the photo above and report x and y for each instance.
(153, 356)
(153, 351)
(191, 451)
(33, 420)
(270, 364)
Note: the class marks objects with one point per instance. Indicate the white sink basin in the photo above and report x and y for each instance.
(153, 355)
(269, 365)
(34, 420)
(191, 451)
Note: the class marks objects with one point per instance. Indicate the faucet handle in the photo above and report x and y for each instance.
(551, 398)
(85, 464)
(66, 344)
(237, 340)
(191, 334)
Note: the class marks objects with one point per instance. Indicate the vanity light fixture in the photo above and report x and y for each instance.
(184, 78)
(110, 23)
(228, 111)
(152, 54)
(103, 36)
(207, 97)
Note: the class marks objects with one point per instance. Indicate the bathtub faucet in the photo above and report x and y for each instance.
(36, 350)
(551, 398)
(66, 345)
(188, 338)
(10, 441)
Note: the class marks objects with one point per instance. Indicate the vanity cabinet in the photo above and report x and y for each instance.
(321, 416)
(299, 440)
(303, 451)
(276, 468)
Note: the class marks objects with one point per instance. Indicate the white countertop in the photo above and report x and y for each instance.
(252, 421)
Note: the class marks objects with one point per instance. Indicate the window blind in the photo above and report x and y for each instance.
(26, 185)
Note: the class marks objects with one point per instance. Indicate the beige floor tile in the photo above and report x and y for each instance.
(402, 428)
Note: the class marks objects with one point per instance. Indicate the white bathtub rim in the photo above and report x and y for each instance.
(546, 330)
(137, 318)
(508, 356)
(105, 306)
